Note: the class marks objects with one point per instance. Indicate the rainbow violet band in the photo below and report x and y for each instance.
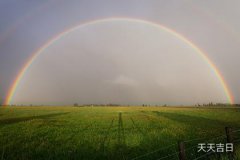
(21, 73)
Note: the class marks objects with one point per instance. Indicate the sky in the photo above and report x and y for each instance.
(120, 52)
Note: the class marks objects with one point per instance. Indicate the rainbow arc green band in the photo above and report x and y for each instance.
(14, 86)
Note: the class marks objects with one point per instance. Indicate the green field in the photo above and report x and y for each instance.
(111, 132)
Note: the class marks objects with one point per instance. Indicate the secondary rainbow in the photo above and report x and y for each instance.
(20, 75)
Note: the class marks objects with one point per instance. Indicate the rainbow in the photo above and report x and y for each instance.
(36, 53)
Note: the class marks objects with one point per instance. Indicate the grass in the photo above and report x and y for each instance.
(111, 132)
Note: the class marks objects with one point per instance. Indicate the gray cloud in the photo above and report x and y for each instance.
(164, 69)
(119, 62)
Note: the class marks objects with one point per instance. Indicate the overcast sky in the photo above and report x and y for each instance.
(120, 61)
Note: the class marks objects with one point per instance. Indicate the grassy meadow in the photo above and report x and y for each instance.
(112, 132)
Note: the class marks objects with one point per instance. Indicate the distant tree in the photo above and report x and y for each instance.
(211, 104)
(1, 103)
(75, 104)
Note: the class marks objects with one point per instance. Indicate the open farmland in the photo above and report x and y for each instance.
(111, 132)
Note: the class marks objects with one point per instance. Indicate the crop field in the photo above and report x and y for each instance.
(113, 132)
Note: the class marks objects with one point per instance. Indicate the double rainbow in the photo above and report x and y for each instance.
(30, 61)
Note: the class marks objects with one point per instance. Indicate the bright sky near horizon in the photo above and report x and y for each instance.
(119, 61)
